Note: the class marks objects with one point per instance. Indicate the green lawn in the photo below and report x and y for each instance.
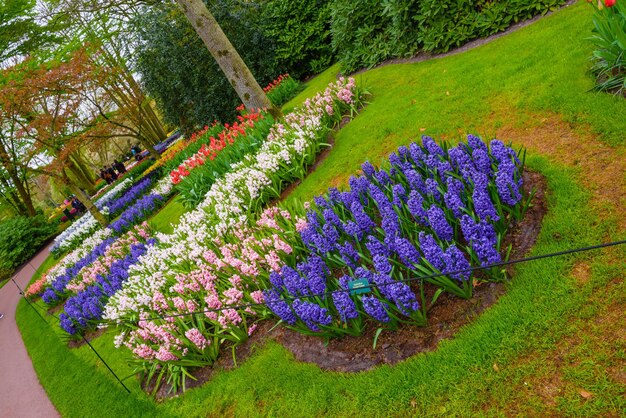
(168, 216)
(552, 346)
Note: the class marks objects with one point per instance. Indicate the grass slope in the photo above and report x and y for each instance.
(541, 350)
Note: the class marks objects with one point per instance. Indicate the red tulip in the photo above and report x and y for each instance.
(609, 3)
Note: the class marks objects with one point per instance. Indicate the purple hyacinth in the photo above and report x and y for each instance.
(382, 201)
(415, 181)
(330, 238)
(362, 219)
(482, 161)
(137, 212)
(316, 275)
(432, 251)
(508, 189)
(406, 251)
(438, 222)
(276, 280)
(382, 264)
(483, 239)
(456, 261)
(363, 273)
(331, 217)
(476, 143)
(131, 195)
(368, 169)
(352, 229)
(483, 206)
(459, 157)
(311, 314)
(390, 223)
(403, 297)
(375, 247)
(294, 283)
(452, 197)
(359, 185)
(345, 306)
(432, 188)
(502, 153)
(431, 146)
(349, 254)
(383, 283)
(321, 202)
(375, 308)
(399, 194)
(416, 207)
(279, 306)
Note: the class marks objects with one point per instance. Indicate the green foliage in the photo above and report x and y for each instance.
(610, 41)
(284, 91)
(139, 168)
(20, 238)
(301, 31)
(366, 32)
(179, 72)
(192, 148)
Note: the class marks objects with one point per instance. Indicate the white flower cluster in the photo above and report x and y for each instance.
(72, 258)
(163, 187)
(227, 202)
(111, 194)
(87, 224)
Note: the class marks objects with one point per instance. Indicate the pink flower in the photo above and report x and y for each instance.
(197, 338)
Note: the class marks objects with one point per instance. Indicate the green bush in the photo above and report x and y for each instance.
(366, 32)
(610, 41)
(284, 91)
(301, 31)
(20, 238)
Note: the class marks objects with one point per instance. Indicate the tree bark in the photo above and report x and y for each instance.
(25, 198)
(236, 71)
(85, 200)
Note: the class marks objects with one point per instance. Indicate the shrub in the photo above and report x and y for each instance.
(20, 238)
(610, 41)
(301, 31)
(366, 32)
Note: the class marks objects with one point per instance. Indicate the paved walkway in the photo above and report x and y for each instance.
(21, 394)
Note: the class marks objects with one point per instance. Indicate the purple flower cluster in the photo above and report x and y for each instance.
(57, 292)
(398, 223)
(142, 208)
(85, 309)
(131, 195)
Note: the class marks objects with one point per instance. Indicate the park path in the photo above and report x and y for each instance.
(21, 394)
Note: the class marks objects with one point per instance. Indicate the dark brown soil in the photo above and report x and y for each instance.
(354, 354)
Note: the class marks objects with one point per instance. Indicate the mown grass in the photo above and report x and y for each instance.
(168, 216)
(551, 329)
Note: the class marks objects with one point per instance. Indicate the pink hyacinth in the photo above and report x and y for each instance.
(257, 296)
(165, 355)
(197, 338)
(144, 352)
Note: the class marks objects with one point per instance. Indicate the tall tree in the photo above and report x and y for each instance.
(237, 72)
(59, 109)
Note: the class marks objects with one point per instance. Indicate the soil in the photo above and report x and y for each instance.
(355, 354)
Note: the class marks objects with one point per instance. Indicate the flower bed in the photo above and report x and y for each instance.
(203, 265)
(435, 213)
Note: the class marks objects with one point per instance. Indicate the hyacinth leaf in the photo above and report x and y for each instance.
(378, 331)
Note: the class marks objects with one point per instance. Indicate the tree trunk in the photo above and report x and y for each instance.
(25, 198)
(236, 71)
(85, 200)
(83, 181)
